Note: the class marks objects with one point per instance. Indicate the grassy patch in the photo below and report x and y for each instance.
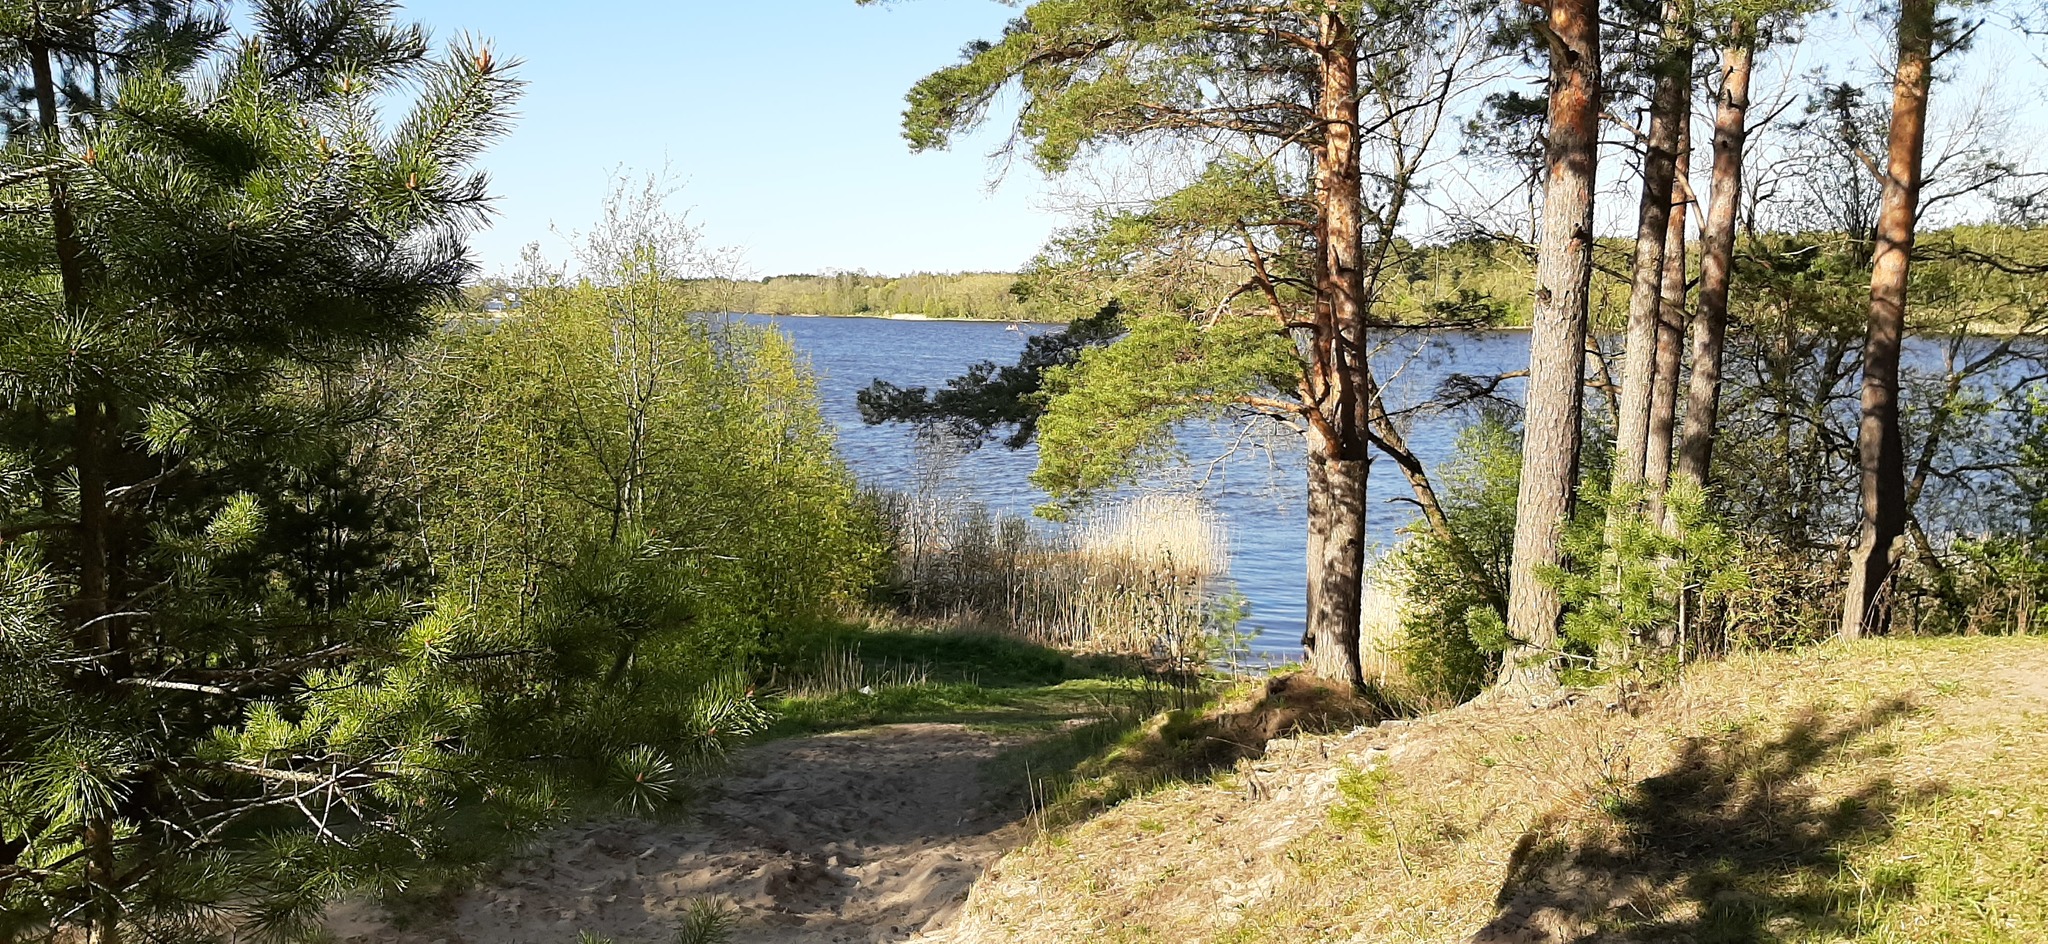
(1884, 792)
(1154, 744)
(850, 677)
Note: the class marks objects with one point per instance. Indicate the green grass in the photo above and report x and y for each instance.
(1094, 730)
(982, 680)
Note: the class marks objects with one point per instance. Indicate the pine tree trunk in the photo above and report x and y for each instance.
(1336, 565)
(1557, 337)
(1339, 452)
(1880, 445)
(1717, 256)
(89, 608)
(1653, 218)
(1670, 331)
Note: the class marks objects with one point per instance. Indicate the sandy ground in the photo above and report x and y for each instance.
(867, 836)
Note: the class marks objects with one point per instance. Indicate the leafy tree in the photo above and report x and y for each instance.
(1452, 636)
(225, 699)
(636, 486)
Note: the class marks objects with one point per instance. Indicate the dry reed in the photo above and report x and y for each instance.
(1137, 577)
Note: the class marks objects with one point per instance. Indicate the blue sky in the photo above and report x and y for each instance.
(779, 117)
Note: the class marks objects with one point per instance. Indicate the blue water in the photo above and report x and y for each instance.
(1252, 476)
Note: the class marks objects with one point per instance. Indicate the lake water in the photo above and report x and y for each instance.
(1254, 483)
(1254, 480)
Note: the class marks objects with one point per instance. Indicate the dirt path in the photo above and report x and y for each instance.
(867, 836)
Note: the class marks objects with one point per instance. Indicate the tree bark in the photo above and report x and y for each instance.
(1557, 338)
(1336, 558)
(1339, 454)
(1717, 255)
(1880, 445)
(1670, 331)
(89, 608)
(1653, 218)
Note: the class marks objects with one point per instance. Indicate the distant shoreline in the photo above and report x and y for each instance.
(914, 316)
(896, 316)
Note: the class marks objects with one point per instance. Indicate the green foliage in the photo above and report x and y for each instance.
(1636, 586)
(1361, 807)
(1452, 634)
(1114, 411)
(705, 921)
(974, 405)
(228, 694)
(674, 458)
(891, 676)
(636, 497)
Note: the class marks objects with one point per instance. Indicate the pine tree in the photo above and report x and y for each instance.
(1251, 289)
(225, 699)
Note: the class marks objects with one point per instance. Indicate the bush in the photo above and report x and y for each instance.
(637, 497)
(1451, 632)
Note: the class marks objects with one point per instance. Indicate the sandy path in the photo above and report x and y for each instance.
(867, 836)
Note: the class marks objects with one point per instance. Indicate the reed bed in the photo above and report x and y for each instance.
(1140, 577)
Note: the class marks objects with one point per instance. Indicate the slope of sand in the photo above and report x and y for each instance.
(867, 836)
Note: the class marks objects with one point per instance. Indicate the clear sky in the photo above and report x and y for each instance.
(779, 117)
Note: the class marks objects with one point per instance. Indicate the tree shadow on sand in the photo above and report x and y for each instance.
(1731, 843)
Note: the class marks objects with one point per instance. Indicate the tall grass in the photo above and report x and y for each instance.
(1141, 577)
(839, 668)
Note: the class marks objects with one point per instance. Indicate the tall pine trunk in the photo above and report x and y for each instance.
(90, 609)
(1671, 322)
(1339, 450)
(1668, 112)
(1557, 338)
(1717, 254)
(1880, 446)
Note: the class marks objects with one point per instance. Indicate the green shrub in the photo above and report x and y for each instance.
(638, 498)
(1451, 632)
(1638, 588)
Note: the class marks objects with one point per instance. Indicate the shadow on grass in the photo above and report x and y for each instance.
(1107, 728)
(1731, 843)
